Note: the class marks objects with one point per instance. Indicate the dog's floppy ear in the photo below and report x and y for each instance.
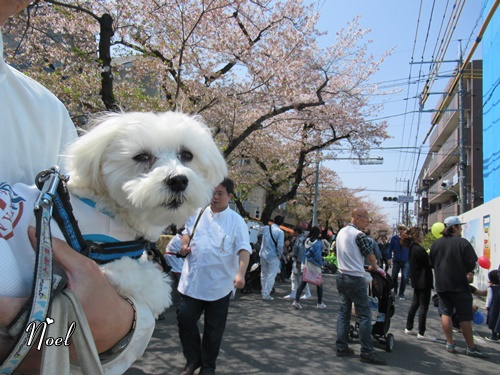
(86, 154)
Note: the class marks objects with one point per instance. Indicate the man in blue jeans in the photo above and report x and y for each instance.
(397, 257)
(352, 247)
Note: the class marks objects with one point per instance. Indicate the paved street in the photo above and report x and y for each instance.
(271, 337)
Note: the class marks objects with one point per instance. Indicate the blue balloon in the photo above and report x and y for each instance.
(478, 318)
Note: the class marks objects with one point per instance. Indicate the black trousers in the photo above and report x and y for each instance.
(200, 351)
(420, 302)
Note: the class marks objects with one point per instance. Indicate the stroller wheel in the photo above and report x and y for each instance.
(389, 343)
(391, 311)
(352, 333)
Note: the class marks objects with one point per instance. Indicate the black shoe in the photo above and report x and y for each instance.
(345, 353)
(372, 359)
(190, 368)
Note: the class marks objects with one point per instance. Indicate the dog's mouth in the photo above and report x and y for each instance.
(175, 202)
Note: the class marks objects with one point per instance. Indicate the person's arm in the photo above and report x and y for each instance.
(489, 298)
(295, 248)
(110, 317)
(243, 259)
(389, 252)
(372, 261)
(365, 246)
(9, 308)
(334, 247)
(478, 292)
(376, 251)
(318, 255)
(469, 256)
(281, 243)
(185, 245)
(431, 256)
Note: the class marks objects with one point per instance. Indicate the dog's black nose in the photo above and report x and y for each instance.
(177, 183)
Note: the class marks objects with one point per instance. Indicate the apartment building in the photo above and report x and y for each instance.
(438, 188)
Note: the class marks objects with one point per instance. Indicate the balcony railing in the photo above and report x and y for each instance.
(448, 148)
(443, 213)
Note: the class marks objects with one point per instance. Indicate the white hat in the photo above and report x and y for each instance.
(452, 220)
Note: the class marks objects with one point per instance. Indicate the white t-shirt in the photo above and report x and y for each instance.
(174, 246)
(18, 258)
(213, 263)
(349, 258)
(271, 249)
(35, 126)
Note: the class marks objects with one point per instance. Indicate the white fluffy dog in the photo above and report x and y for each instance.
(148, 170)
(131, 175)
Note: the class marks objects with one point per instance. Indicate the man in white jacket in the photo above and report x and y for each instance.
(273, 239)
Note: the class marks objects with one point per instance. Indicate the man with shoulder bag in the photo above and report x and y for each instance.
(273, 239)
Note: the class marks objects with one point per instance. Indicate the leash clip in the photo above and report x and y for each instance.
(48, 181)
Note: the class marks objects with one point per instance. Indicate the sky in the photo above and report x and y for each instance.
(393, 25)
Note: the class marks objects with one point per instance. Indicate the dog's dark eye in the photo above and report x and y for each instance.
(143, 158)
(185, 156)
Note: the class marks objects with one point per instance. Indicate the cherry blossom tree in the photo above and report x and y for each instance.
(252, 68)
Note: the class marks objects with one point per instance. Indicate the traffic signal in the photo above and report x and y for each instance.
(390, 199)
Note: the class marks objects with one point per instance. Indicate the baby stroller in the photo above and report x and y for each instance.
(380, 290)
(330, 264)
(252, 279)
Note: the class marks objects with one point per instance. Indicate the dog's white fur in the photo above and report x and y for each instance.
(102, 168)
(147, 171)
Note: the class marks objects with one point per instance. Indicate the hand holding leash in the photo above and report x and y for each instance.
(186, 249)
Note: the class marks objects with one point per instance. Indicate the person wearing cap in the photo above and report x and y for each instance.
(452, 257)
(397, 257)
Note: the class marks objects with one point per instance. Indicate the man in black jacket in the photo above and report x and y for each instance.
(452, 257)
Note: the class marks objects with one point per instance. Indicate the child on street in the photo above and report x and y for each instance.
(493, 306)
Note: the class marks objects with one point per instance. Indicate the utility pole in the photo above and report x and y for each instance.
(462, 170)
(362, 161)
(404, 205)
(407, 204)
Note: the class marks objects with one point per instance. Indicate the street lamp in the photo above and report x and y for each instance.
(362, 161)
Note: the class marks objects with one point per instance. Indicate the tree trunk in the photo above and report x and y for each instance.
(106, 33)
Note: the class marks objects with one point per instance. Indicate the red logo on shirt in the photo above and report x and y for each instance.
(11, 210)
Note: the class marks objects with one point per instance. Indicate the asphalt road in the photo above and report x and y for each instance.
(271, 337)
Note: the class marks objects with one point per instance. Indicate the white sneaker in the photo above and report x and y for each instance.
(321, 306)
(305, 297)
(289, 296)
(267, 298)
(297, 305)
(425, 338)
(410, 332)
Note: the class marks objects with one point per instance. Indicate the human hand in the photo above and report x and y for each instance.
(381, 271)
(185, 250)
(239, 281)
(110, 317)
